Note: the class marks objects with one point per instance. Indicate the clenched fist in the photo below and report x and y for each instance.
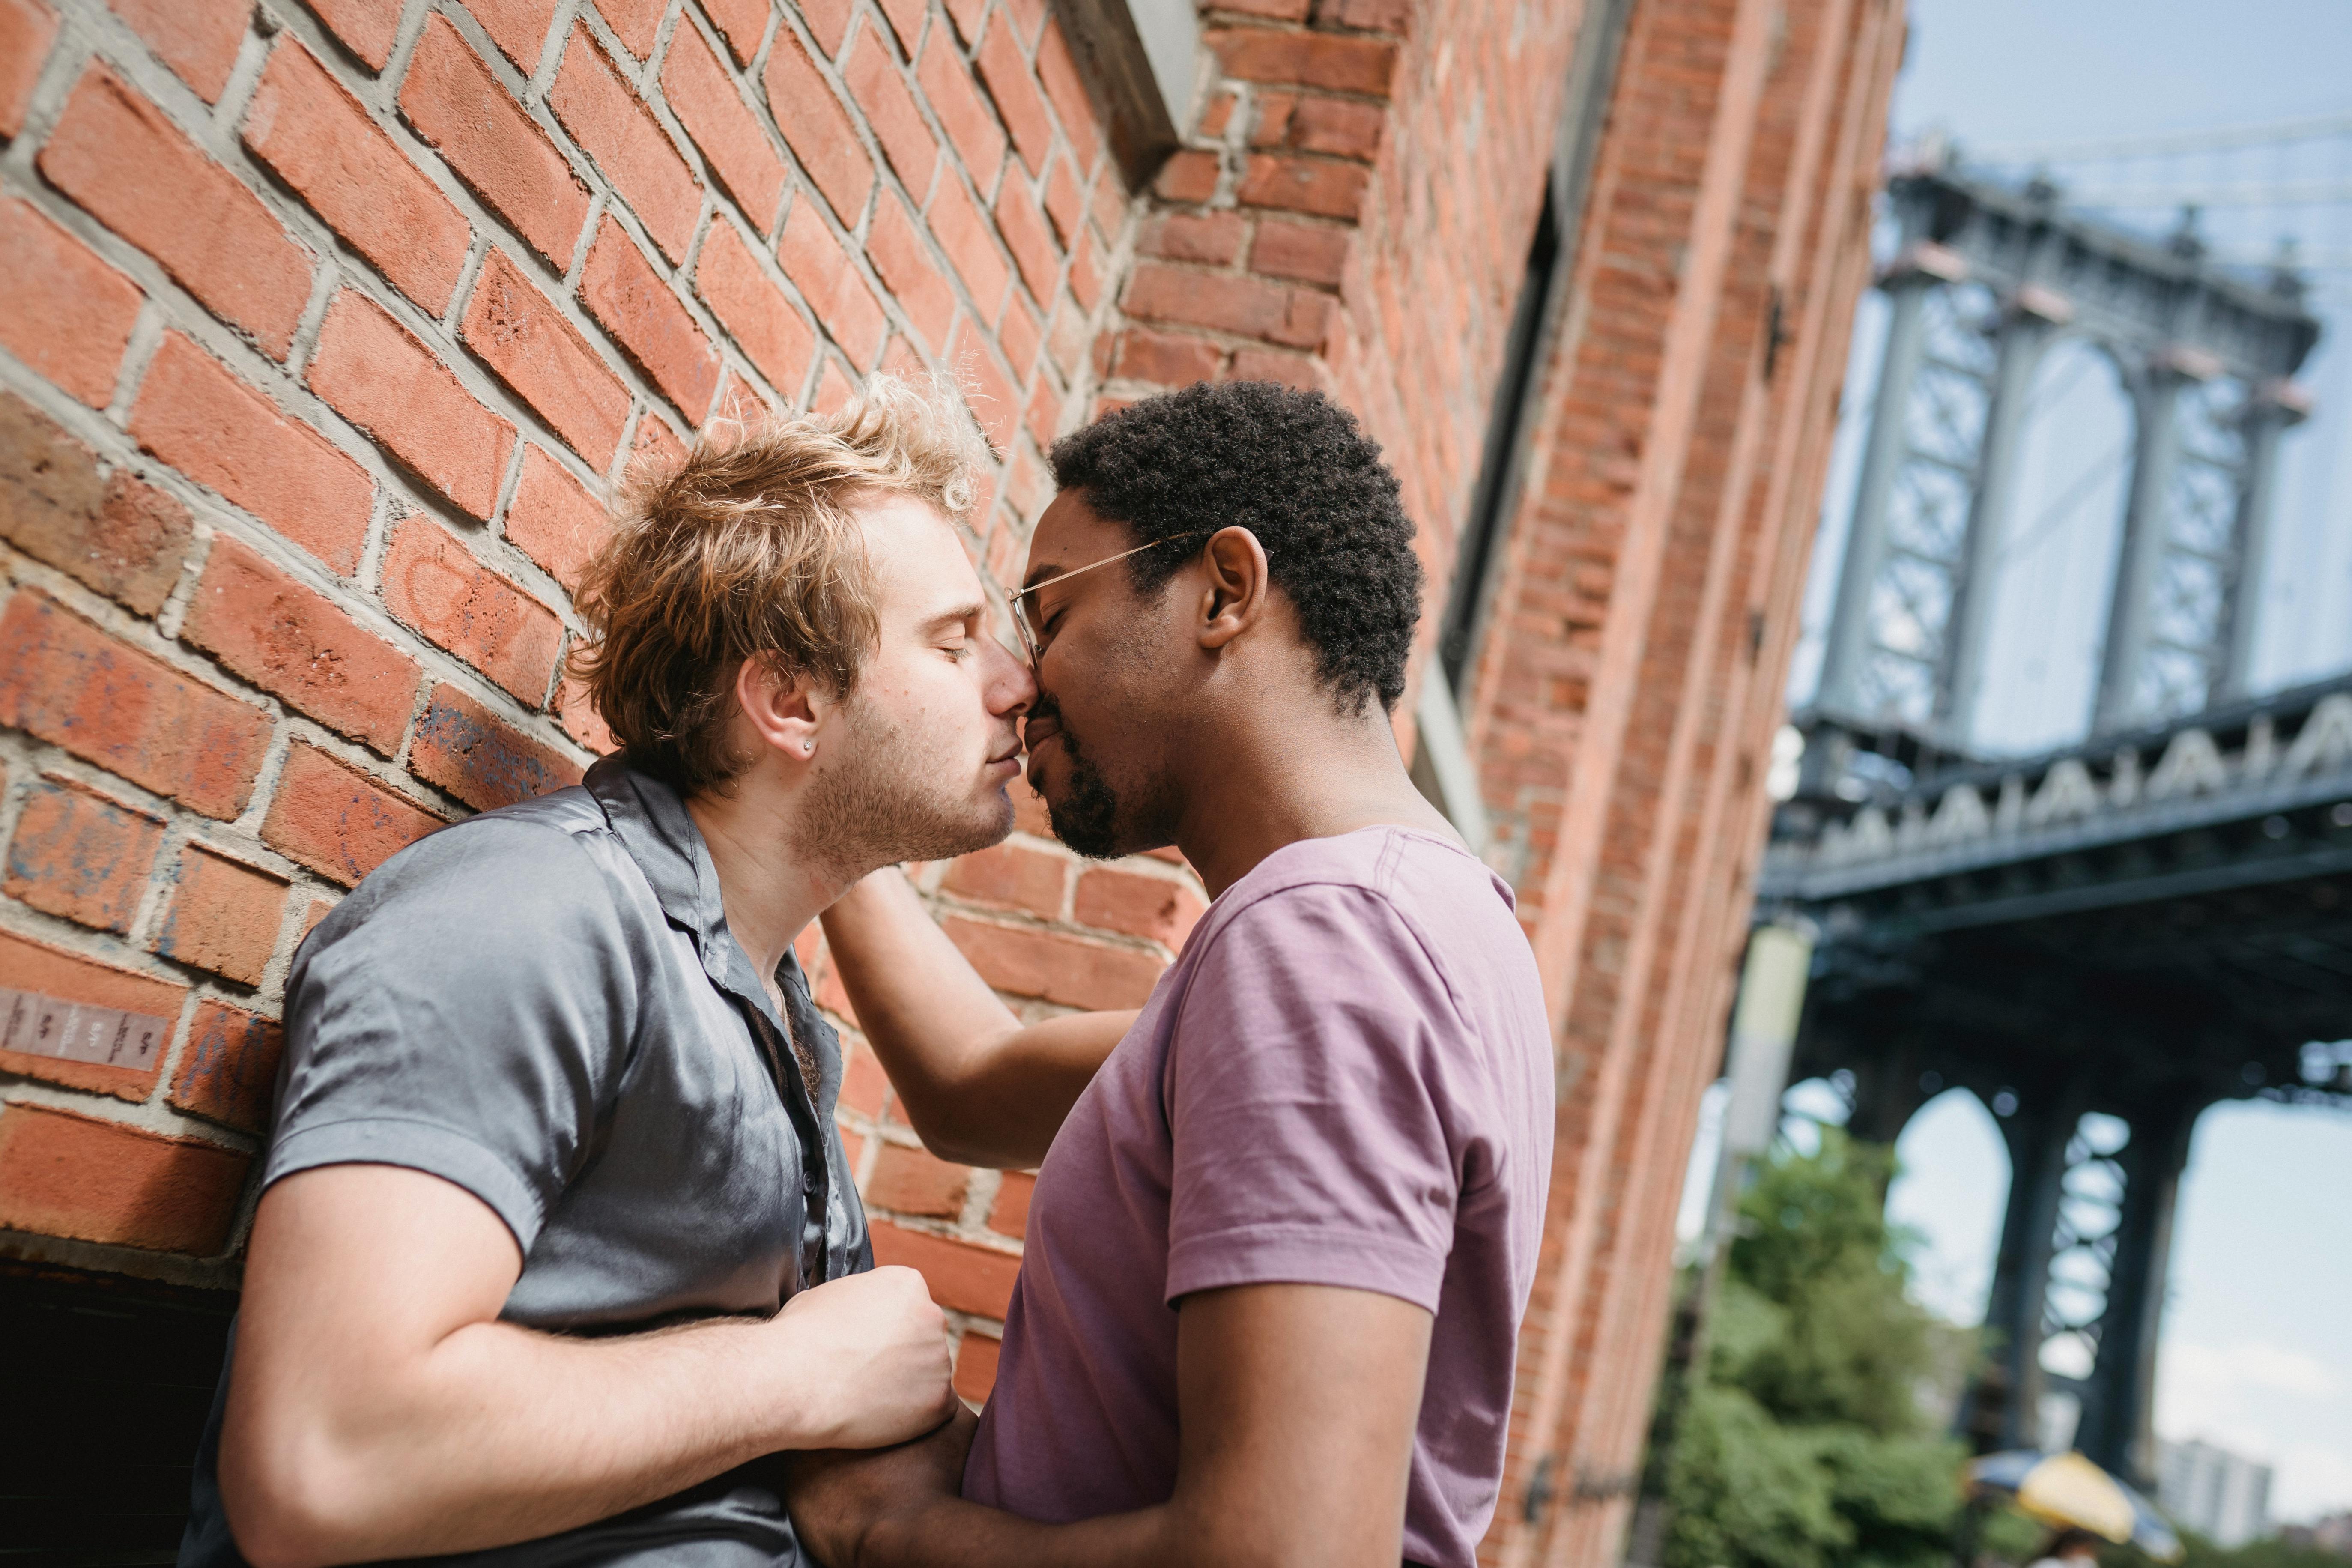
(870, 1360)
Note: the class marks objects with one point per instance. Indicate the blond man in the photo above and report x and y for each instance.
(558, 1239)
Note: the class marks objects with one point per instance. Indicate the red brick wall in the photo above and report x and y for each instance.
(326, 325)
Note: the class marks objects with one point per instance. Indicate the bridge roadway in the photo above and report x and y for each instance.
(2133, 928)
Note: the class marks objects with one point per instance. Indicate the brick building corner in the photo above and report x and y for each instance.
(327, 327)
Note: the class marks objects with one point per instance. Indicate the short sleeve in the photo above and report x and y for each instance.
(464, 1014)
(1309, 1123)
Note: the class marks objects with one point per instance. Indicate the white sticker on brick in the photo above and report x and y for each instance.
(77, 1032)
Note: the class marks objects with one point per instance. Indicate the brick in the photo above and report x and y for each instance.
(195, 414)
(894, 246)
(1007, 75)
(581, 721)
(452, 100)
(1391, 16)
(975, 1366)
(1012, 877)
(80, 855)
(1019, 334)
(1154, 908)
(228, 1073)
(1217, 116)
(1009, 1214)
(431, 583)
(833, 389)
(223, 916)
(1249, 306)
(482, 760)
(635, 303)
(518, 27)
(969, 241)
(556, 522)
(822, 270)
(880, 91)
(991, 397)
(1301, 251)
(818, 131)
(315, 136)
(1272, 10)
(333, 818)
(1334, 61)
(117, 535)
(702, 94)
(754, 310)
(66, 1175)
(864, 1086)
(1321, 186)
(197, 39)
(1189, 175)
(525, 340)
(1065, 204)
(742, 23)
(966, 15)
(146, 1007)
(605, 117)
(1300, 371)
(1342, 127)
(367, 27)
(656, 442)
(826, 21)
(119, 158)
(947, 85)
(27, 29)
(1054, 967)
(1026, 16)
(1022, 222)
(110, 703)
(1058, 73)
(962, 1278)
(1212, 238)
(63, 311)
(298, 644)
(636, 22)
(392, 388)
(1043, 417)
(906, 18)
(911, 1181)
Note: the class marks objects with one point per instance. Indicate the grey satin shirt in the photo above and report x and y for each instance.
(543, 1005)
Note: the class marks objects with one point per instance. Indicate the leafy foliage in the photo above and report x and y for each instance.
(1805, 1446)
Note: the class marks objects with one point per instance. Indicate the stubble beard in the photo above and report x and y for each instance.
(872, 808)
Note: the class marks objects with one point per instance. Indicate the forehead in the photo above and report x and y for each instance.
(919, 559)
(1069, 535)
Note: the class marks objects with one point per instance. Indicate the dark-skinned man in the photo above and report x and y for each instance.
(1287, 1216)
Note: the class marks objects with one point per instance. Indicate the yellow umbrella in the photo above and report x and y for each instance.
(2069, 1491)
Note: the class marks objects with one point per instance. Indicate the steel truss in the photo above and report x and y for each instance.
(1986, 281)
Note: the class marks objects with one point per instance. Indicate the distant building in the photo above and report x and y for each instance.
(2223, 1495)
(2333, 1533)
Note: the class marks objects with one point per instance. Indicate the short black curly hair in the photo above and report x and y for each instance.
(1292, 468)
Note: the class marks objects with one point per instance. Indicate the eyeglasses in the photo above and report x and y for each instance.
(1032, 640)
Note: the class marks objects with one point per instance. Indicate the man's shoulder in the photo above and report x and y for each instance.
(1376, 877)
(540, 863)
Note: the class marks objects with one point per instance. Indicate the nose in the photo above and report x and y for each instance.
(1011, 686)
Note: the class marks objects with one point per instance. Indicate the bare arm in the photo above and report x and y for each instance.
(378, 1409)
(980, 1087)
(1297, 1403)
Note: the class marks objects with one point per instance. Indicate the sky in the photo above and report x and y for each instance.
(2253, 1352)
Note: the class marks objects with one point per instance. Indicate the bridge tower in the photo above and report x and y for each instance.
(1961, 899)
(1985, 282)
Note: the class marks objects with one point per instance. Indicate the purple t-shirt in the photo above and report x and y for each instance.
(1345, 1080)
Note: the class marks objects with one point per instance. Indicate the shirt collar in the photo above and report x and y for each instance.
(652, 823)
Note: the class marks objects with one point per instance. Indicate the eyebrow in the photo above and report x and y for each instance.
(956, 616)
(1041, 574)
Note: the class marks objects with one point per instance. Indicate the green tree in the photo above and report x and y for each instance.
(1805, 1446)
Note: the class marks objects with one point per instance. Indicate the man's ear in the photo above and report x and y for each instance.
(783, 710)
(1234, 599)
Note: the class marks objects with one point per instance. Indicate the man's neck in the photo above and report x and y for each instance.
(771, 890)
(1285, 774)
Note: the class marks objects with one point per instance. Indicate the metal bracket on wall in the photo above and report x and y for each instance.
(1143, 58)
